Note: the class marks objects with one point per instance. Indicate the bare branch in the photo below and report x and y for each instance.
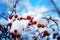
(52, 1)
(50, 18)
(3, 17)
(14, 7)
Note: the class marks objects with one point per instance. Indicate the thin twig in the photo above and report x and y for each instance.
(52, 1)
(14, 7)
(3, 17)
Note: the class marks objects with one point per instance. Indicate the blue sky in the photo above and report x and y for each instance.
(33, 3)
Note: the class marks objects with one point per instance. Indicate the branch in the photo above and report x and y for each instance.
(52, 1)
(55, 22)
(3, 17)
(50, 18)
(14, 7)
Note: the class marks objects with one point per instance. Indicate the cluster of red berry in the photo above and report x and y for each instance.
(39, 25)
(10, 17)
(15, 34)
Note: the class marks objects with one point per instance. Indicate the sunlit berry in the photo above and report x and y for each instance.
(28, 17)
(16, 16)
(9, 24)
(46, 33)
(10, 16)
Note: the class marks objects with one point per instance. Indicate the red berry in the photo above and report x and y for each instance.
(18, 35)
(16, 16)
(40, 25)
(31, 20)
(15, 31)
(46, 33)
(10, 16)
(21, 18)
(34, 22)
(13, 35)
(28, 17)
(29, 24)
(9, 24)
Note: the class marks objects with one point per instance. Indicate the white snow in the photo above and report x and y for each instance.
(19, 25)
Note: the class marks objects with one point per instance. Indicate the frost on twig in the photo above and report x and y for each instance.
(48, 18)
